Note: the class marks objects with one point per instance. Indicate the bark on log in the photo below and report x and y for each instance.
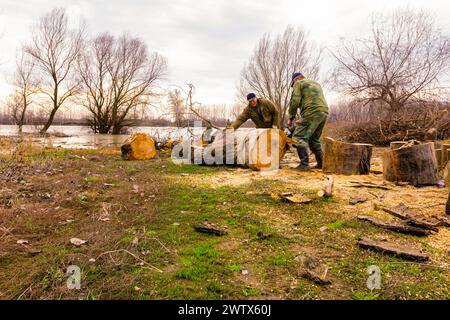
(211, 228)
(416, 164)
(395, 226)
(258, 149)
(412, 218)
(346, 158)
(393, 248)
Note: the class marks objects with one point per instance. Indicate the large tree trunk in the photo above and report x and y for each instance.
(346, 158)
(258, 149)
(415, 164)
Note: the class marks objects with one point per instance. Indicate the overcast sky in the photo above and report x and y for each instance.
(206, 42)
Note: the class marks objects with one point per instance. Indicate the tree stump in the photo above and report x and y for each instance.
(444, 156)
(346, 158)
(415, 164)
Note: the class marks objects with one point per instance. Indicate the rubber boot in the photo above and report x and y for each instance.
(319, 159)
(304, 159)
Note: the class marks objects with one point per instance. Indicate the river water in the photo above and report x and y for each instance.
(81, 137)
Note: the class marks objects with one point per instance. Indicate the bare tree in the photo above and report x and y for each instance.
(55, 48)
(177, 106)
(401, 61)
(24, 84)
(268, 72)
(119, 75)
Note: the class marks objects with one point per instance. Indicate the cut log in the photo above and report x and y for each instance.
(416, 164)
(327, 190)
(257, 149)
(346, 158)
(141, 147)
(410, 217)
(401, 227)
(393, 249)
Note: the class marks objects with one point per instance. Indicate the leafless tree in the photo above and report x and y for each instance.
(54, 48)
(119, 75)
(401, 61)
(268, 72)
(177, 106)
(24, 84)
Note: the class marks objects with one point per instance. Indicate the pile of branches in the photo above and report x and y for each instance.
(422, 124)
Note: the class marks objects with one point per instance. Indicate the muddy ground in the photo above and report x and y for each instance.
(137, 220)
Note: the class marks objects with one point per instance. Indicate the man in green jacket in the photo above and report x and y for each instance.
(307, 96)
(261, 111)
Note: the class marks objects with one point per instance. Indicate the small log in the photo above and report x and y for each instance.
(211, 228)
(346, 158)
(415, 164)
(394, 249)
(327, 191)
(395, 226)
(410, 217)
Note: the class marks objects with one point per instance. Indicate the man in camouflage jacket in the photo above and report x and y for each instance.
(261, 111)
(307, 95)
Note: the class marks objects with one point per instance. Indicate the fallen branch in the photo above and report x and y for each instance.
(393, 248)
(359, 184)
(131, 254)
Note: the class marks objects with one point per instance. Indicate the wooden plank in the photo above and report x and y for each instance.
(393, 249)
(401, 227)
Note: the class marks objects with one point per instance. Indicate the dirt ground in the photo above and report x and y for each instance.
(137, 220)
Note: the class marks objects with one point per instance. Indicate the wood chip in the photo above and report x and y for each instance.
(297, 198)
(316, 278)
(356, 200)
(77, 242)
